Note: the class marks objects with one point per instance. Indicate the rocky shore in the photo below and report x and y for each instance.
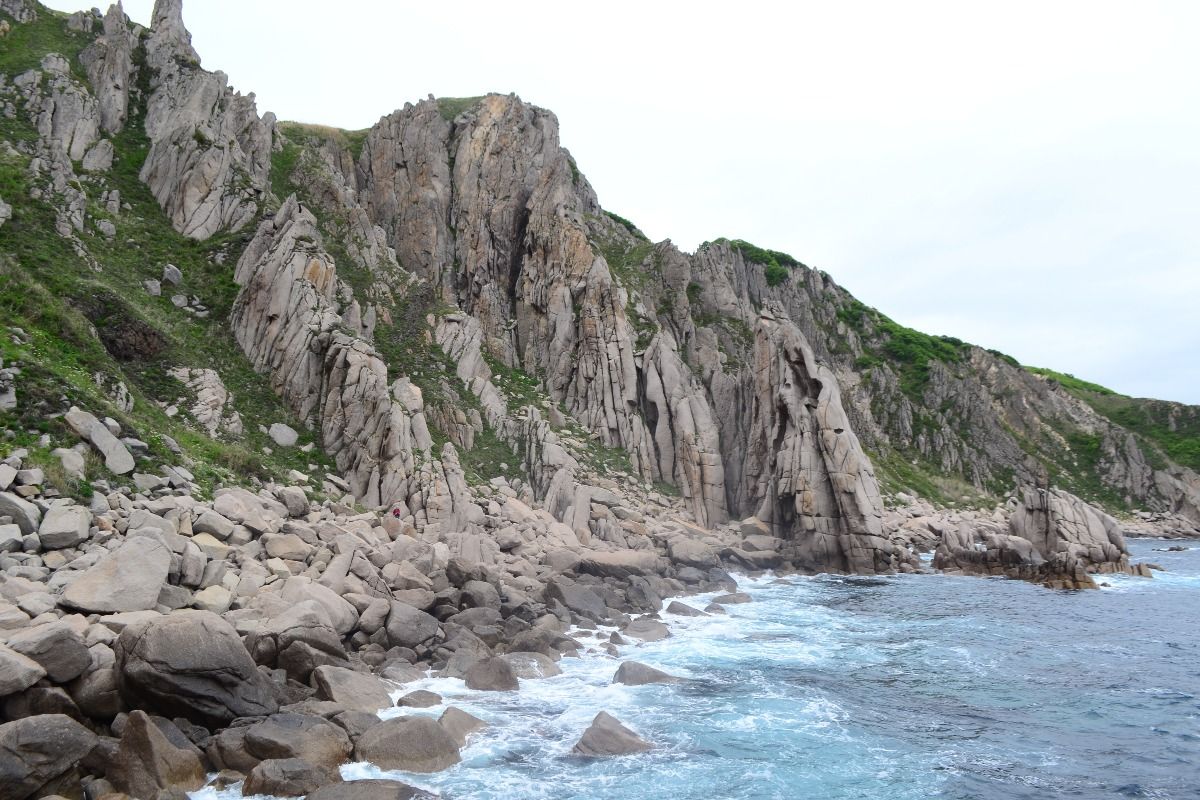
(525, 428)
(152, 639)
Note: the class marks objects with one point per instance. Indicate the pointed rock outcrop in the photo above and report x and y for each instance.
(210, 152)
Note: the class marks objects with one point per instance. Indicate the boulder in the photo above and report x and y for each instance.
(532, 665)
(619, 564)
(127, 579)
(633, 673)
(420, 699)
(460, 725)
(64, 526)
(374, 789)
(606, 736)
(577, 599)
(410, 627)
(147, 762)
(646, 630)
(354, 690)
(288, 777)
(692, 553)
(25, 515)
(17, 671)
(116, 456)
(342, 615)
(409, 744)
(190, 664)
(314, 739)
(684, 610)
(283, 435)
(298, 640)
(55, 646)
(492, 675)
(36, 750)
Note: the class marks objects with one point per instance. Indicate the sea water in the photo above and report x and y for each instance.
(899, 687)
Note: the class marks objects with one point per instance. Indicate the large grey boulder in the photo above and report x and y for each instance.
(147, 762)
(289, 777)
(460, 725)
(493, 675)
(64, 526)
(56, 647)
(410, 627)
(577, 599)
(410, 744)
(606, 736)
(372, 789)
(25, 514)
(298, 640)
(190, 664)
(36, 750)
(314, 739)
(633, 673)
(354, 690)
(532, 665)
(116, 456)
(127, 579)
(17, 671)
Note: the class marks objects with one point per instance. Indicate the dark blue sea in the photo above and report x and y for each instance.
(903, 687)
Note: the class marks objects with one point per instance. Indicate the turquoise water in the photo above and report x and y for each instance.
(906, 687)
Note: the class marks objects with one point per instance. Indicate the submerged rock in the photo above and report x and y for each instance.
(606, 736)
(633, 673)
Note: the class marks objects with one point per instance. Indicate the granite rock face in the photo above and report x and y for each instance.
(210, 152)
(110, 69)
(1052, 537)
(285, 320)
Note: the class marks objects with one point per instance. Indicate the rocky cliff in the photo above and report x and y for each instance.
(295, 415)
(441, 300)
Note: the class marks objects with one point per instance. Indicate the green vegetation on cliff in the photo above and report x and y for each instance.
(91, 325)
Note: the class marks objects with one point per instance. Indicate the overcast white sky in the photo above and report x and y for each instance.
(1022, 175)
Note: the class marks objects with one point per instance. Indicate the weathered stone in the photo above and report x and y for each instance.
(460, 725)
(36, 750)
(147, 762)
(116, 456)
(354, 690)
(25, 515)
(289, 777)
(410, 744)
(532, 665)
(492, 674)
(190, 664)
(646, 630)
(64, 526)
(410, 627)
(283, 435)
(606, 736)
(371, 789)
(17, 671)
(420, 699)
(127, 579)
(633, 673)
(314, 739)
(59, 650)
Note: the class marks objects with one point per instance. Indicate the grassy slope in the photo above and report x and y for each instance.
(48, 291)
(1173, 429)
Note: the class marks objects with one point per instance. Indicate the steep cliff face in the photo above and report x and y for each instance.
(442, 301)
(210, 152)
